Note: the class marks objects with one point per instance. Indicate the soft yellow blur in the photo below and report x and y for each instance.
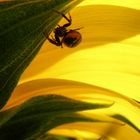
(129, 3)
(108, 132)
(105, 66)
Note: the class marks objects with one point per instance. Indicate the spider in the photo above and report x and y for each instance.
(62, 35)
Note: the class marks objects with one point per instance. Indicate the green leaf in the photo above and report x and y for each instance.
(22, 23)
(125, 120)
(40, 114)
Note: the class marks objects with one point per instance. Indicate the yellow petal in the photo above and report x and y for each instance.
(130, 3)
(111, 132)
(108, 55)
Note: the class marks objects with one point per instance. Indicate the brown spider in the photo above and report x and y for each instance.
(70, 37)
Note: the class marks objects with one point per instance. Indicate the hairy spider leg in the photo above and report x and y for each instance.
(56, 41)
(68, 19)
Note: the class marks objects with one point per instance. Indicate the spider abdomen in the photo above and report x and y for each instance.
(72, 38)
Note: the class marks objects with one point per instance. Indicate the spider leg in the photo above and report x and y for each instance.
(54, 40)
(58, 25)
(69, 19)
(57, 39)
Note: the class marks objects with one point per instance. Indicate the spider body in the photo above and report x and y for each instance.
(72, 39)
(60, 31)
(62, 35)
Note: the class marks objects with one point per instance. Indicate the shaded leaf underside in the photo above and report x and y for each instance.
(40, 114)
